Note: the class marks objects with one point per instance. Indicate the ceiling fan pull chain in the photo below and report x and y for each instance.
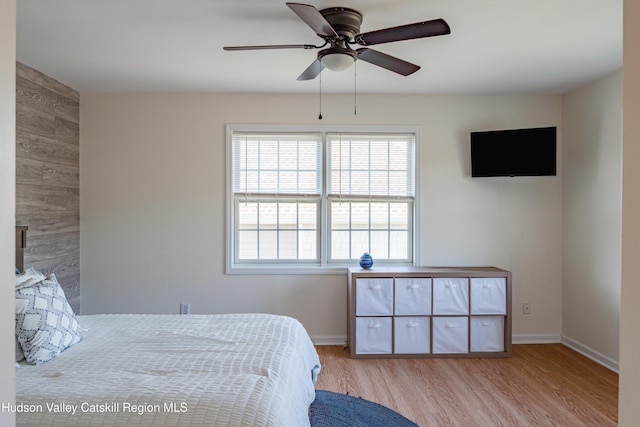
(355, 88)
(320, 115)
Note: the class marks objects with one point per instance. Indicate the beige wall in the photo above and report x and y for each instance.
(153, 215)
(592, 191)
(7, 207)
(629, 395)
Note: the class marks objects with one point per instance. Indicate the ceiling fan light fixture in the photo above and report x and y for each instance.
(337, 61)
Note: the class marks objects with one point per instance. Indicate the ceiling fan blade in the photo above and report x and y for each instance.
(314, 19)
(436, 27)
(271, 46)
(389, 62)
(312, 71)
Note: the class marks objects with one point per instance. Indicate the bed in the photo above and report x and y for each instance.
(167, 370)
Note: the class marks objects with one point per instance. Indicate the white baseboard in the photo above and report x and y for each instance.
(592, 354)
(329, 340)
(517, 339)
(535, 339)
(586, 351)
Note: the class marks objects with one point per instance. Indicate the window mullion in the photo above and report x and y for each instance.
(369, 226)
(389, 230)
(258, 230)
(278, 170)
(324, 239)
(388, 169)
(258, 168)
(297, 230)
(350, 204)
(369, 173)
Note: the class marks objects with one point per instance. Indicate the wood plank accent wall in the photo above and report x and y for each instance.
(48, 176)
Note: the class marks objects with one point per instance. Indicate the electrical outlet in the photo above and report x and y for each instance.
(185, 308)
(526, 307)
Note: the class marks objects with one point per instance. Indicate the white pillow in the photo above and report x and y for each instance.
(28, 278)
(45, 323)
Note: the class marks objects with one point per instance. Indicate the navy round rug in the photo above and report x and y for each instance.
(341, 410)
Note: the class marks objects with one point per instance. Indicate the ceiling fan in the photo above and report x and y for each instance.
(339, 27)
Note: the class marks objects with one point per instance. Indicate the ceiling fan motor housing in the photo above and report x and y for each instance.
(346, 22)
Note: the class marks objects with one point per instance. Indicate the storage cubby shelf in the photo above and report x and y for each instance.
(429, 312)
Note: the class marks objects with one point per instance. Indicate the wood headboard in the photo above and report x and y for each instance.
(21, 243)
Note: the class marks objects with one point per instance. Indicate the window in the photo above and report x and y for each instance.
(319, 197)
(277, 187)
(371, 192)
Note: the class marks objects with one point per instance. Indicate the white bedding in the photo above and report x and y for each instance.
(196, 370)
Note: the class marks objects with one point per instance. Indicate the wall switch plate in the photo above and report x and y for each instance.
(185, 308)
(526, 308)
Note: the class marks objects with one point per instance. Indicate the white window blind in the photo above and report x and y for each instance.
(372, 165)
(277, 163)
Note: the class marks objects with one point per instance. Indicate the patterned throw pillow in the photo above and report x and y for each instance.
(28, 278)
(45, 323)
(19, 353)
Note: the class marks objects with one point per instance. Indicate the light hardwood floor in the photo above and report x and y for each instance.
(541, 385)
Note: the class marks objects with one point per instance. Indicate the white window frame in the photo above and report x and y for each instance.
(323, 267)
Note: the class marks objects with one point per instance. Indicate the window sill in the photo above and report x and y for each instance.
(286, 269)
(293, 269)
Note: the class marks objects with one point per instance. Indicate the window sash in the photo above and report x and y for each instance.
(358, 225)
(371, 164)
(265, 163)
(278, 227)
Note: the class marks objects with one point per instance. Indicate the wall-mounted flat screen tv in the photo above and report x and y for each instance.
(514, 152)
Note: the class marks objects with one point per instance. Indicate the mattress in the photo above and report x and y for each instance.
(172, 370)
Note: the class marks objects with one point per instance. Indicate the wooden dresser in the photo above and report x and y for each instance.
(429, 312)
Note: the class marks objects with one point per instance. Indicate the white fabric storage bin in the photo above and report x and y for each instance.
(488, 295)
(451, 295)
(374, 297)
(487, 333)
(413, 296)
(450, 335)
(411, 335)
(373, 335)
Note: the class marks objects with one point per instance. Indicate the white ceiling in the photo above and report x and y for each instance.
(495, 46)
